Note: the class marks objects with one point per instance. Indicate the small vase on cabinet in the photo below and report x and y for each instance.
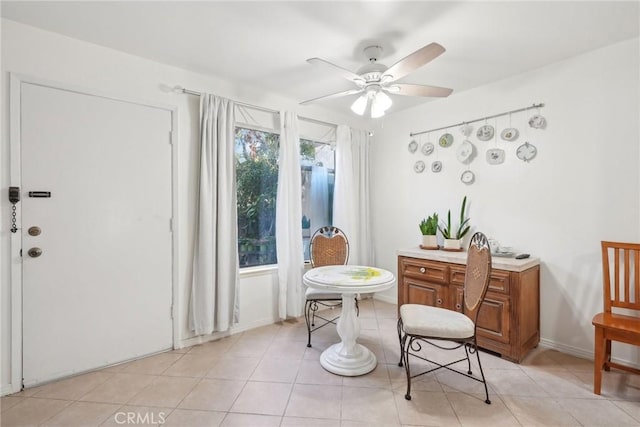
(453, 244)
(429, 241)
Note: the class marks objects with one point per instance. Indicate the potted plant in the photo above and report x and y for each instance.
(429, 228)
(452, 240)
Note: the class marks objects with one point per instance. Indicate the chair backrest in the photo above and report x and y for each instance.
(621, 275)
(328, 246)
(476, 278)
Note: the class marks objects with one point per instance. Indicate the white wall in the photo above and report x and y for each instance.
(583, 187)
(57, 58)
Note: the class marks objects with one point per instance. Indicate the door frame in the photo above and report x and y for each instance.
(15, 105)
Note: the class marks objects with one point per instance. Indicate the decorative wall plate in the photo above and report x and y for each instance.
(466, 129)
(413, 146)
(465, 152)
(446, 140)
(495, 156)
(467, 177)
(485, 133)
(526, 152)
(427, 148)
(537, 122)
(509, 134)
(419, 166)
(436, 166)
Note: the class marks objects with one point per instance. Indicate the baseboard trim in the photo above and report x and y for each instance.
(385, 298)
(7, 389)
(579, 352)
(567, 349)
(201, 339)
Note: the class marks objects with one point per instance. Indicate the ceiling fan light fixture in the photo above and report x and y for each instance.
(360, 105)
(384, 100)
(380, 104)
(376, 112)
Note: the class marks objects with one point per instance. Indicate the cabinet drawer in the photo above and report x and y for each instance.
(498, 281)
(424, 270)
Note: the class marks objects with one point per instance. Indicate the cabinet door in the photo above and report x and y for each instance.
(493, 317)
(456, 298)
(426, 293)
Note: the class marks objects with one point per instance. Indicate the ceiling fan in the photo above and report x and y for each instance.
(374, 80)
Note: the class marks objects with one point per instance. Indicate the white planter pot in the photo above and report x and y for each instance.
(452, 243)
(429, 241)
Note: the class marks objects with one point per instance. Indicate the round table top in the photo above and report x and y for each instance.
(349, 278)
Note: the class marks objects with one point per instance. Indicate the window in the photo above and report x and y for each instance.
(317, 162)
(257, 184)
(256, 153)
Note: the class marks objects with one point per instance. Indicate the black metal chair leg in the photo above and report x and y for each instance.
(400, 342)
(313, 313)
(406, 365)
(484, 381)
(466, 351)
(307, 308)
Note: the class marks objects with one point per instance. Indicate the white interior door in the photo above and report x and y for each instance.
(101, 290)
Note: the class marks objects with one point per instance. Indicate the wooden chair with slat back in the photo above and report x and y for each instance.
(328, 246)
(621, 282)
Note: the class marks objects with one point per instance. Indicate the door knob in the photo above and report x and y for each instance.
(34, 231)
(35, 252)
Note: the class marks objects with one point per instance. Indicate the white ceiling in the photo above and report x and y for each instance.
(265, 44)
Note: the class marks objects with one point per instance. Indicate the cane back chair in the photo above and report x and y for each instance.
(621, 283)
(328, 246)
(420, 324)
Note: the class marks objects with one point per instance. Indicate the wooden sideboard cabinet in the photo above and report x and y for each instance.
(509, 320)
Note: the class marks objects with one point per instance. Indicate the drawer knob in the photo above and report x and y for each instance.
(458, 306)
(422, 269)
(439, 302)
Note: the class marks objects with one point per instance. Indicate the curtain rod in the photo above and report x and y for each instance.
(479, 120)
(180, 89)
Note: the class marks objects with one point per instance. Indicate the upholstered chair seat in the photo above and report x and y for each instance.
(428, 321)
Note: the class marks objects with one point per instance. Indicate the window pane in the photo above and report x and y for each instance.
(257, 180)
(318, 176)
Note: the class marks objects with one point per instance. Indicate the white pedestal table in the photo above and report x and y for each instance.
(348, 358)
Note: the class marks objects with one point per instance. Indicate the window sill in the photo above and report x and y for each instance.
(261, 270)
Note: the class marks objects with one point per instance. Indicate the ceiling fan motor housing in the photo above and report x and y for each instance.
(372, 71)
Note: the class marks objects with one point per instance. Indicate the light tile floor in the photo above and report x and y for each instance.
(268, 377)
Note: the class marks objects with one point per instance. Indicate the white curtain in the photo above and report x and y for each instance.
(351, 204)
(214, 287)
(319, 197)
(288, 220)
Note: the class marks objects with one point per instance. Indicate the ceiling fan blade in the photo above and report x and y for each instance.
(347, 74)
(419, 90)
(333, 95)
(413, 61)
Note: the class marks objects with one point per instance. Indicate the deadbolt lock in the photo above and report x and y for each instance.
(35, 252)
(34, 231)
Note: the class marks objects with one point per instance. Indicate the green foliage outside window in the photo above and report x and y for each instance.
(257, 184)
